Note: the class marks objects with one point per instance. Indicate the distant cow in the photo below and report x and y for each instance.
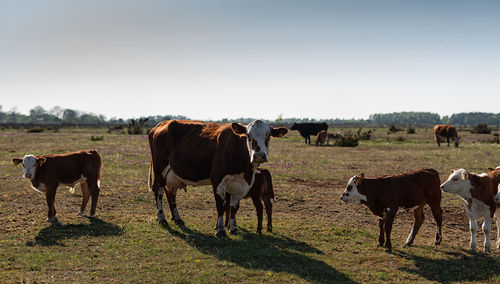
(332, 136)
(47, 172)
(478, 193)
(446, 131)
(321, 138)
(261, 190)
(385, 195)
(201, 153)
(307, 129)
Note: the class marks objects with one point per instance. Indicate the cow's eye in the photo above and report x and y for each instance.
(455, 179)
(349, 188)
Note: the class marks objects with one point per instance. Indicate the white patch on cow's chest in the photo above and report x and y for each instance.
(236, 185)
(477, 209)
(174, 181)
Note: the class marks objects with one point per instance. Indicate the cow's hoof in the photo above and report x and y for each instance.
(408, 244)
(380, 244)
(259, 232)
(233, 232)
(388, 250)
(221, 234)
(179, 222)
(92, 216)
(487, 249)
(52, 220)
(269, 230)
(80, 213)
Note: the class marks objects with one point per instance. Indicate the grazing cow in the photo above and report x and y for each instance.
(321, 138)
(334, 137)
(307, 129)
(261, 190)
(478, 193)
(386, 194)
(202, 153)
(47, 172)
(446, 131)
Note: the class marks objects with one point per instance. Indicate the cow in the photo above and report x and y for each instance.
(478, 193)
(307, 129)
(261, 190)
(446, 131)
(385, 195)
(226, 156)
(47, 172)
(332, 136)
(321, 138)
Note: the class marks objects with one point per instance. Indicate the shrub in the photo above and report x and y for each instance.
(35, 130)
(481, 128)
(365, 135)
(393, 129)
(347, 140)
(410, 130)
(97, 138)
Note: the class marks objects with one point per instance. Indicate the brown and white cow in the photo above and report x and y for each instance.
(321, 138)
(261, 191)
(478, 193)
(386, 194)
(446, 131)
(201, 153)
(47, 172)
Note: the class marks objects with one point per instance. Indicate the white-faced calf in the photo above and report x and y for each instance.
(47, 172)
(261, 191)
(385, 195)
(478, 193)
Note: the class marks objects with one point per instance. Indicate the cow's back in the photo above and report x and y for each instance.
(70, 167)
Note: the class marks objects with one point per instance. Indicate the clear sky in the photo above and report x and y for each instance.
(229, 59)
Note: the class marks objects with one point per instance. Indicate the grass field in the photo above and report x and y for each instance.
(315, 238)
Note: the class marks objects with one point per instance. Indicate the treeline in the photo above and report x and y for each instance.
(60, 116)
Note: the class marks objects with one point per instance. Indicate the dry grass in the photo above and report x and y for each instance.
(316, 238)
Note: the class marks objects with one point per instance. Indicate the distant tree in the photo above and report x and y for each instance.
(69, 115)
(57, 111)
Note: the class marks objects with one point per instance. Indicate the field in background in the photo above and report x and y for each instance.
(316, 238)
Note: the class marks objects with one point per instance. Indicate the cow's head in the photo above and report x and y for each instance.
(457, 140)
(497, 198)
(294, 126)
(458, 183)
(30, 165)
(258, 135)
(351, 193)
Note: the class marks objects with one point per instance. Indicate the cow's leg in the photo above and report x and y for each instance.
(269, 213)
(497, 214)
(418, 219)
(157, 188)
(381, 238)
(233, 229)
(86, 196)
(389, 219)
(473, 230)
(437, 213)
(171, 198)
(94, 193)
(220, 202)
(228, 210)
(51, 196)
(486, 230)
(258, 207)
(448, 140)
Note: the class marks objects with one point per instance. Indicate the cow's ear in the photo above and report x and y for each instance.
(362, 175)
(238, 128)
(490, 169)
(41, 161)
(465, 175)
(452, 171)
(279, 132)
(16, 161)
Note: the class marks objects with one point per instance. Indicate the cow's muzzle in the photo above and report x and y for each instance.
(259, 157)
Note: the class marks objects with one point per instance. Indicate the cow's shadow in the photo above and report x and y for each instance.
(266, 252)
(457, 266)
(53, 234)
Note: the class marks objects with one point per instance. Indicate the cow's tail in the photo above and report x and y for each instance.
(150, 177)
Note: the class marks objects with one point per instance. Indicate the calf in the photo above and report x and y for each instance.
(47, 172)
(446, 131)
(386, 194)
(321, 138)
(261, 190)
(478, 193)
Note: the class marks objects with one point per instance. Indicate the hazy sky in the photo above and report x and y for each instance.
(229, 59)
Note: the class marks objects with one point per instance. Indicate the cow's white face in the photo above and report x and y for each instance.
(258, 135)
(497, 199)
(351, 193)
(458, 183)
(457, 141)
(30, 164)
